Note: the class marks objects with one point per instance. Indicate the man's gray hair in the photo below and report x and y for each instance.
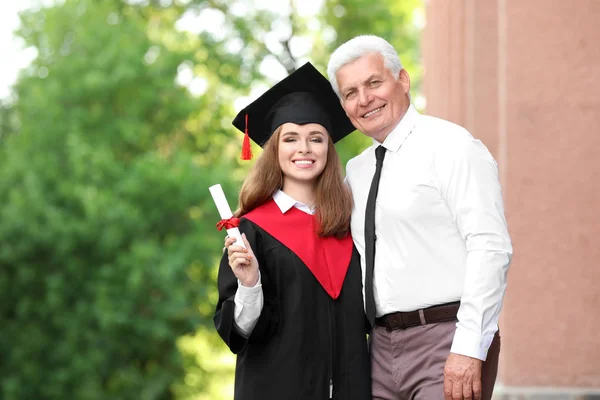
(357, 47)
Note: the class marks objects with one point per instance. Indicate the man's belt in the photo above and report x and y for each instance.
(431, 315)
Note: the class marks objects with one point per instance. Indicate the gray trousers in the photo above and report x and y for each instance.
(408, 364)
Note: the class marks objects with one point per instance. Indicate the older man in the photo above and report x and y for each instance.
(428, 221)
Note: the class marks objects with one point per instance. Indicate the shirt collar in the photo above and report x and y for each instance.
(285, 202)
(394, 140)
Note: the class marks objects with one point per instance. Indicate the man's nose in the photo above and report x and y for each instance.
(363, 97)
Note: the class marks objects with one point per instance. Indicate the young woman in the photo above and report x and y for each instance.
(290, 303)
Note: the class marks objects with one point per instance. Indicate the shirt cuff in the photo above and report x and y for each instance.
(471, 344)
(248, 306)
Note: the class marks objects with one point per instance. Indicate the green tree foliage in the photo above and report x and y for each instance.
(108, 249)
(104, 256)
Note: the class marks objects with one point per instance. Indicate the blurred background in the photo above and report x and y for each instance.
(115, 118)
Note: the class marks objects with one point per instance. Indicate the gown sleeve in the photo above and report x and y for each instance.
(227, 285)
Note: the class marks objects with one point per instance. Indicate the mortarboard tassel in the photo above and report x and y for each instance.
(246, 149)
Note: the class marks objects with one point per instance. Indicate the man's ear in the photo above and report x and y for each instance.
(404, 80)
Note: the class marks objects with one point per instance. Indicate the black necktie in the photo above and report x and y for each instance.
(370, 237)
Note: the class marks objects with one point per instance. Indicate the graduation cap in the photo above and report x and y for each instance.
(304, 97)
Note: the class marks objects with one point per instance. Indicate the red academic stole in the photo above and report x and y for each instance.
(326, 257)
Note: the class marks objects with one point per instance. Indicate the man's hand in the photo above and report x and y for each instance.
(462, 378)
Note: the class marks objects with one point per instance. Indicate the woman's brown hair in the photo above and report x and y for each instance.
(333, 199)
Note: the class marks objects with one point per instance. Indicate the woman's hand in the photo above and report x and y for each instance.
(242, 261)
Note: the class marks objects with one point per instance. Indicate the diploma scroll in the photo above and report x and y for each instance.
(225, 212)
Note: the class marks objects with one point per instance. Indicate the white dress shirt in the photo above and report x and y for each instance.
(440, 226)
(249, 300)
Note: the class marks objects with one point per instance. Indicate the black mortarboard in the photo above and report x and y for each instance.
(304, 97)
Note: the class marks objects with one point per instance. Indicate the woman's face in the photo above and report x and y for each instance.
(302, 152)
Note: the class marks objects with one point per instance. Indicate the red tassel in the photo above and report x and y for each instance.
(246, 148)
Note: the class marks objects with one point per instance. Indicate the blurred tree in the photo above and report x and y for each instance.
(5, 127)
(396, 21)
(103, 259)
(108, 249)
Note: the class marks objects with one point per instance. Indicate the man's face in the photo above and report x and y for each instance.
(374, 101)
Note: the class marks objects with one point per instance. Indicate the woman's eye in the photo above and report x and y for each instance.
(317, 140)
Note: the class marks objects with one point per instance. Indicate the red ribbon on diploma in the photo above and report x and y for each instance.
(228, 223)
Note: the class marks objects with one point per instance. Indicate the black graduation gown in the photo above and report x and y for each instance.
(304, 339)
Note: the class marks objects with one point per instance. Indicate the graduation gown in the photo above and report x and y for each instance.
(306, 343)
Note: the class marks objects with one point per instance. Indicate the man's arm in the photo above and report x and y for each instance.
(471, 188)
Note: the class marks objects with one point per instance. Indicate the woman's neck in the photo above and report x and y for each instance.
(305, 193)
